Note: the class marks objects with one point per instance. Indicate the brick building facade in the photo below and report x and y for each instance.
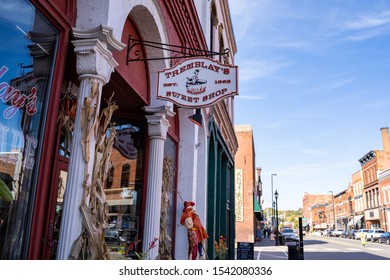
(245, 184)
(365, 203)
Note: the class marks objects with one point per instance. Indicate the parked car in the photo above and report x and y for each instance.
(374, 234)
(359, 232)
(289, 234)
(317, 233)
(337, 233)
(326, 232)
(384, 238)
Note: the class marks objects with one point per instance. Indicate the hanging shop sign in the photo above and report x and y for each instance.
(197, 83)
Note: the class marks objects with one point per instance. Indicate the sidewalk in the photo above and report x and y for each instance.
(267, 250)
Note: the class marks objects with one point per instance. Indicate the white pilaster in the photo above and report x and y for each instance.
(95, 64)
(187, 176)
(157, 127)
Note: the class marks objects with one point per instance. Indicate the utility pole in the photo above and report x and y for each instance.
(334, 214)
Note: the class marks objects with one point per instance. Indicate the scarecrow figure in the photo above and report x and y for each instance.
(196, 232)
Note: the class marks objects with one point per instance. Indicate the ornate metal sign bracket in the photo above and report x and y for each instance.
(135, 51)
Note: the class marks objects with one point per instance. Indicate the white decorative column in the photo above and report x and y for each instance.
(157, 128)
(95, 64)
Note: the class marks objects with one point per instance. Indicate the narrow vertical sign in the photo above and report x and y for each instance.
(239, 199)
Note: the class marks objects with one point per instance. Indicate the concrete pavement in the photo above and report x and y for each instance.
(267, 250)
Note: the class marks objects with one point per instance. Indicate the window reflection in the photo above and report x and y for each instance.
(28, 49)
(125, 176)
(123, 189)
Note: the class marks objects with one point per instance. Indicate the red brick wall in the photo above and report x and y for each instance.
(245, 160)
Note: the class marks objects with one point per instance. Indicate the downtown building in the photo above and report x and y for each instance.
(86, 145)
(365, 203)
(375, 164)
(248, 188)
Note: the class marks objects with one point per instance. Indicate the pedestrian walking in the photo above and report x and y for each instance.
(363, 239)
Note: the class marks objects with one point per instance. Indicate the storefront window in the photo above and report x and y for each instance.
(124, 189)
(27, 54)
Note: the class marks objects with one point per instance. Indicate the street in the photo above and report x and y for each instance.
(325, 248)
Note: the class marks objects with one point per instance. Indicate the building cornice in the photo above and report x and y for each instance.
(367, 158)
(186, 20)
(229, 25)
(384, 174)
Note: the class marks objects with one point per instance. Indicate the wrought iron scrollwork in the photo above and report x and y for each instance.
(135, 51)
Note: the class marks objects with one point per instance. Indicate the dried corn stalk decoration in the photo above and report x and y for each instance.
(66, 117)
(164, 250)
(94, 209)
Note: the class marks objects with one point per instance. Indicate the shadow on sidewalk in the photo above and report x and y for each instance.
(266, 242)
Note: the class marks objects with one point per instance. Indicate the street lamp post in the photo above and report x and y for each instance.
(334, 214)
(272, 202)
(277, 218)
(273, 217)
(384, 215)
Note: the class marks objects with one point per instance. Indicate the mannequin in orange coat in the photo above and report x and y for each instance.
(196, 232)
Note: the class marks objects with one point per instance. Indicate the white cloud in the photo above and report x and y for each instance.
(340, 83)
(315, 169)
(248, 14)
(369, 21)
(375, 105)
(251, 97)
(367, 26)
(16, 11)
(313, 152)
(255, 69)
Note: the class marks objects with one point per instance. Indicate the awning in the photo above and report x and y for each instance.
(320, 226)
(354, 220)
(257, 209)
(256, 205)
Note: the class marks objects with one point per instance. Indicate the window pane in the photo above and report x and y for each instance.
(124, 194)
(28, 49)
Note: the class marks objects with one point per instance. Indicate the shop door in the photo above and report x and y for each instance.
(60, 175)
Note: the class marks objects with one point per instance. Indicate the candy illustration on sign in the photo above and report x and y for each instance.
(197, 83)
(194, 85)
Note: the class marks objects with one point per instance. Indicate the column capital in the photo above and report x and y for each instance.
(157, 123)
(94, 52)
(103, 33)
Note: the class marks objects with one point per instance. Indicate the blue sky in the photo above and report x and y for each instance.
(314, 85)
